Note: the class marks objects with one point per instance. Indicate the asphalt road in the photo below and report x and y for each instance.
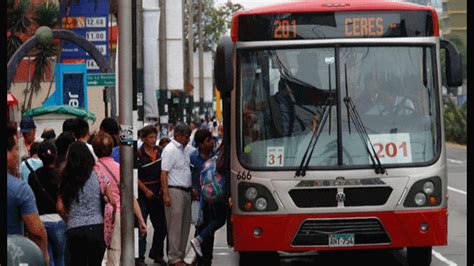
(452, 254)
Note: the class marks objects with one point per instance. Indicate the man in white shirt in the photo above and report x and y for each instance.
(177, 187)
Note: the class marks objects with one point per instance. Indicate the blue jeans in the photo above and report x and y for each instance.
(56, 242)
(214, 218)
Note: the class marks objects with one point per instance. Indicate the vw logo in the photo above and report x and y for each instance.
(340, 197)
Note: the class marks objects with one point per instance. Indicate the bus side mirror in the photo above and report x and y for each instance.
(223, 65)
(453, 64)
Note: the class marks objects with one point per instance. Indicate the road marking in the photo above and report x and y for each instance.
(222, 254)
(442, 258)
(457, 190)
(455, 161)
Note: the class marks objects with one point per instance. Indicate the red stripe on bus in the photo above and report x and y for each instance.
(278, 231)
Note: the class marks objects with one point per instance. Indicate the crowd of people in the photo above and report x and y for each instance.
(65, 186)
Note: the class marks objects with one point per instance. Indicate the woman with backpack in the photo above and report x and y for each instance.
(213, 196)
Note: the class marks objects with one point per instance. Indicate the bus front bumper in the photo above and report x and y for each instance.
(281, 232)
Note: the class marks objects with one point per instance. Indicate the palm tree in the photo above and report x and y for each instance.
(46, 14)
(17, 24)
(20, 23)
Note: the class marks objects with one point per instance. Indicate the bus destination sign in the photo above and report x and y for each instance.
(298, 26)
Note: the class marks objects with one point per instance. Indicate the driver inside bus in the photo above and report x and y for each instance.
(386, 98)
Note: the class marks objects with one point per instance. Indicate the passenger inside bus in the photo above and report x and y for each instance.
(282, 110)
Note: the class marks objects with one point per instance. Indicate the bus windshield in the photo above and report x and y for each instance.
(283, 95)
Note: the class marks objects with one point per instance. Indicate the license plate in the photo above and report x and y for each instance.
(341, 240)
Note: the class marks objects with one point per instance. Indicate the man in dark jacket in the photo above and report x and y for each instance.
(149, 194)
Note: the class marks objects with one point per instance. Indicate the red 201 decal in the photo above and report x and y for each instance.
(390, 149)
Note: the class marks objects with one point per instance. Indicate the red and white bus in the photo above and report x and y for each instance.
(334, 128)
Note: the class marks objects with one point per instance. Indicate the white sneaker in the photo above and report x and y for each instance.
(196, 246)
(190, 256)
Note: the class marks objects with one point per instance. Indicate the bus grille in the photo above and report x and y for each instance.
(310, 198)
(366, 196)
(316, 232)
(326, 197)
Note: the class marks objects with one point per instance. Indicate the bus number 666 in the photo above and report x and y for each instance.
(244, 175)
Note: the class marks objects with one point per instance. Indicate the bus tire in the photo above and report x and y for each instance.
(258, 258)
(419, 256)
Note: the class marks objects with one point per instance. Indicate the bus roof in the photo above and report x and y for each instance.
(332, 6)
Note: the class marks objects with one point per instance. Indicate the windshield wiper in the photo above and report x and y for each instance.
(359, 125)
(314, 139)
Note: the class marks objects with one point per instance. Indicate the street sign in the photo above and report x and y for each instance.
(101, 79)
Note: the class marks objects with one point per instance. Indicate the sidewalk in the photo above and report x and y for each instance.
(223, 255)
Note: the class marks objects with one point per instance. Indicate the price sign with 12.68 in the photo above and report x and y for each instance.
(96, 22)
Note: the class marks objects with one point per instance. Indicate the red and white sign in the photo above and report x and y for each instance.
(392, 148)
(275, 156)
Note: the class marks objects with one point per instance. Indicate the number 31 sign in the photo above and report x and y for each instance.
(275, 156)
(392, 148)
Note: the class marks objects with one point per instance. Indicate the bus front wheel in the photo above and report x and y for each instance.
(419, 256)
(259, 258)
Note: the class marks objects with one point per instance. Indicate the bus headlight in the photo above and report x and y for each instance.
(254, 197)
(261, 204)
(420, 199)
(251, 193)
(426, 192)
(428, 187)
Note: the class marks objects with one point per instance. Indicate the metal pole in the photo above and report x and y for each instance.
(201, 61)
(191, 46)
(126, 138)
(139, 56)
(183, 101)
(163, 58)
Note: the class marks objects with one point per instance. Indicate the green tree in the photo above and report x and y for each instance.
(215, 22)
(18, 23)
(46, 14)
(455, 123)
(21, 16)
(218, 22)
